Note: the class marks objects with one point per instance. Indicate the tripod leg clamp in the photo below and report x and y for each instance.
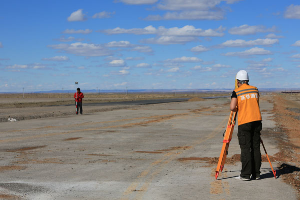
(226, 141)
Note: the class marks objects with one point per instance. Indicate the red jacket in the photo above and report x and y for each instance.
(78, 96)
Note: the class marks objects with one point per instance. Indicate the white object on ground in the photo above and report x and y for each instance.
(11, 119)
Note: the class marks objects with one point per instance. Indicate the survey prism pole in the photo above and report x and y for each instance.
(76, 83)
(76, 103)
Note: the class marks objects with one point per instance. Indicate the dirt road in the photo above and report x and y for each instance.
(161, 151)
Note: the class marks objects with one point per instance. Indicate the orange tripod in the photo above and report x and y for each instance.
(274, 172)
(226, 141)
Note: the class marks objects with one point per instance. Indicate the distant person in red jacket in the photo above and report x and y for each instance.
(78, 100)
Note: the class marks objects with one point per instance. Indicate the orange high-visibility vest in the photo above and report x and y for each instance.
(248, 104)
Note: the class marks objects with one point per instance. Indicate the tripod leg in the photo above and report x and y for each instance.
(274, 172)
(226, 141)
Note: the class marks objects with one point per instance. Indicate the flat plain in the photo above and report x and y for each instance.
(150, 150)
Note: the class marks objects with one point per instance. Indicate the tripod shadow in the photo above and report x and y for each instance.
(284, 168)
(287, 169)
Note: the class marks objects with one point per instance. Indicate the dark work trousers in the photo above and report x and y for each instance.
(79, 106)
(249, 140)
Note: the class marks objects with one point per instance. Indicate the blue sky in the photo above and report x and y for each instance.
(148, 44)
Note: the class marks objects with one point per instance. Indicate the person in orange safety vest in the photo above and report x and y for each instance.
(245, 101)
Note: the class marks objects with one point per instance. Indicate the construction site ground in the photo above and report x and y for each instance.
(157, 151)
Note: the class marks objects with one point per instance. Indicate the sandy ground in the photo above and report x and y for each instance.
(160, 151)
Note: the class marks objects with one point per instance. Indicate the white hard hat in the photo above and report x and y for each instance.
(242, 75)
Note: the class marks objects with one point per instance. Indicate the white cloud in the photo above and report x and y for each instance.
(39, 67)
(119, 44)
(143, 65)
(169, 64)
(203, 69)
(77, 16)
(162, 31)
(17, 66)
(142, 49)
(134, 58)
(187, 4)
(103, 14)
(189, 15)
(258, 66)
(295, 56)
(83, 49)
(184, 59)
(292, 12)
(57, 58)
(175, 69)
(221, 66)
(110, 58)
(279, 69)
(132, 47)
(138, 2)
(207, 69)
(199, 49)
(123, 72)
(232, 1)
(197, 67)
(250, 30)
(72, 31)
(273, 36)
(243, 43)
(213, 68)
(120, 84)
(250, 52)
(69, 39)
(29, 66)
(268, 60)
(297, 43)
(166, 40)
(191, 4)
(191, 10)
(117, 63)
(1, 45)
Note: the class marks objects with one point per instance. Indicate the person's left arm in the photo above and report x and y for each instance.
(233, 103)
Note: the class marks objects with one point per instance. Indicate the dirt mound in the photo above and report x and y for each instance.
(196, 99)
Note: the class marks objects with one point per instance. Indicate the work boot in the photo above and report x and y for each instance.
(257, 177)
(242, 178)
